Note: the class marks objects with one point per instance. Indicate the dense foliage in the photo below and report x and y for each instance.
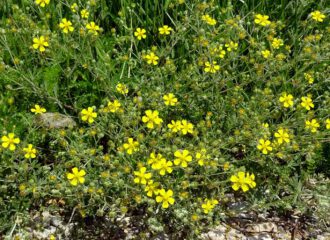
(166, 109)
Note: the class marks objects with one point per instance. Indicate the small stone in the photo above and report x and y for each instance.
(55, 120)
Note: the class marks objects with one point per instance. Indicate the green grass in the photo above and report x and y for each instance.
(227, 109)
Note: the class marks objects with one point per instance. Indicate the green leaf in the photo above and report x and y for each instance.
(51, 77)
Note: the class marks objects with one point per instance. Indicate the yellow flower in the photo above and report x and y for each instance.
(208, 205)
(165, 197)
(10, 141)
(317, 16)
(38, 110)
(266, 53)
(131, 146)
(40, 43)
(88, 115)
(170, 99)
(327, 123)
(165, 30)
(262, 20)
(309, 77)
(277, 43)
(122, 88)
(42, 3)
(113, 106)
(52, 237)
(313, 125)
(175, 126)
(222, 52)
(209, 20)
(243, 181)
(307, 103)
(280, 57)
(182, 157)
(212, 68)
(264, 146)
(151, 58)
(30, 152)
(142, 176)
(66, 25)
(140, 33)
(186, 127)
(151, 118)
(265, 125)
(282, 136)
(202, 157)
(231, 46)
(154, 159)
(74, 7)
(93, 28)
(286, 99)
(164, 166)
(226, 166)
(76, 176)
(152, 188)
(84, 13)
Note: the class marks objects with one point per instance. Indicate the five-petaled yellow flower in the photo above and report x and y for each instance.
(88, 115)
(113, 106)
(40, 43)
(142, 176)
(140, 33)
(312, 125)
(151, 58)
(93, 28)
(152, 188)
(170, 99)
(262, 20)
(182, 158)
(282, 135)
(307, 103)
(122, 88)
(163, 166)
(165, 197)
(266, 53)
(175, 126)
(211, 67)
(243, 180)
(317, 16)
(165, 30)
(42, 3)
(131, 146)
(76, 176)
(151, 118)
(186, 127)
(277, 43)
(66, 25)
(208, 205)
(38, 110)
(84, 13)
(264, 146)
(154, 159)
(30, 152)
(10, 141)
(287, 100)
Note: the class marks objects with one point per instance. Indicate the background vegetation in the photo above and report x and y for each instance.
(230, 110)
